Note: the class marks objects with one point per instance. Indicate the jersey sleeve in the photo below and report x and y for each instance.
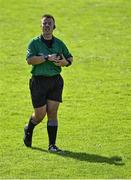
(31, 50)
(65, 51)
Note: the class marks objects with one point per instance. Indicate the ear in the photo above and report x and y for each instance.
(54, 26)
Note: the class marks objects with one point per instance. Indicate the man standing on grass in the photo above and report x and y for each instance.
(47, 54)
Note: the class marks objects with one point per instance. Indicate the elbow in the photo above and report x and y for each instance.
(70, 59)
(29, 61)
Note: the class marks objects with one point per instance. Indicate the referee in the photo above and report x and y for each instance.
(47, 54)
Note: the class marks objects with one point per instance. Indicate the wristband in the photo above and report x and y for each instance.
(69, 62)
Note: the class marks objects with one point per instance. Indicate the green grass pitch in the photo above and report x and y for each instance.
(95, 116)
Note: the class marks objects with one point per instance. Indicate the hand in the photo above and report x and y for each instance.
(52, 57)
(60, 62)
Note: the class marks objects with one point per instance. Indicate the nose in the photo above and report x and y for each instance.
(47, 25)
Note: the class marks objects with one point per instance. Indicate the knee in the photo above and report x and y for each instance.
(52, 113)
(40, 113)
(39, 116)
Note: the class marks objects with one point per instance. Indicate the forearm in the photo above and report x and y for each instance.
(36, 60)
(70, 59)
(63, 62)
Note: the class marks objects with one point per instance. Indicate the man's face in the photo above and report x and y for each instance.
(47, 25)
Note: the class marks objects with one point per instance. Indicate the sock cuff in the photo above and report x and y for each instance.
(52, 123)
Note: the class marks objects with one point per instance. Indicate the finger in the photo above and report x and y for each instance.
(52, 59)
(58, 58)
(62, 56)
(57, 63)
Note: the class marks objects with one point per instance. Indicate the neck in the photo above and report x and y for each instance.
(47, 36)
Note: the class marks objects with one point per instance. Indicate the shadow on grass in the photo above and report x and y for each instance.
(82, 156)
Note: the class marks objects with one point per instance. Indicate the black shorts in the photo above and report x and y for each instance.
(45, 88)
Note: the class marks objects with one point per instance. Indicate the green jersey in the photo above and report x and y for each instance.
(38, 47)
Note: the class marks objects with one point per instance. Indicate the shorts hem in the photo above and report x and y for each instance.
(38, 106)
(55, 100)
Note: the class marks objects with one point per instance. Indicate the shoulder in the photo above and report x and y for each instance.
(57, 40)
(34, 40)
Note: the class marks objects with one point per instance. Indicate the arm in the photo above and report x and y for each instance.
(69, 60)
(40, 59)
(64, 59)
(64, 62)
(32, 57)
(36, 60)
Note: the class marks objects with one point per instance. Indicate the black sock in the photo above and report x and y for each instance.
(52, 126)
(31, 125)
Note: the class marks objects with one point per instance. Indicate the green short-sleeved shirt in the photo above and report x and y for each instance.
(37, 48)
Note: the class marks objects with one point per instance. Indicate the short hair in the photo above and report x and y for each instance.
(49, 16)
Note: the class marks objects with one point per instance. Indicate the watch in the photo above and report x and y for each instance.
(46, 57)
